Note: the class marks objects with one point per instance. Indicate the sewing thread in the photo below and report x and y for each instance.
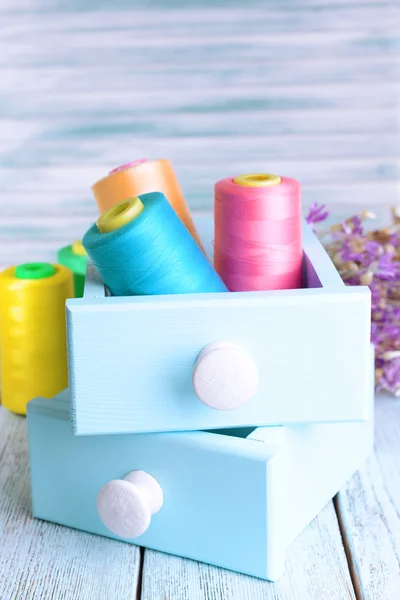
(258, 243)
(32, 332)
(75, 258)
(141, 177)
(141, 247)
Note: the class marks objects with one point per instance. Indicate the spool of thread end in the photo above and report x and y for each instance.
(34, 271)
(128, 165)
(257, 180)
(121, 214)
(78, 249)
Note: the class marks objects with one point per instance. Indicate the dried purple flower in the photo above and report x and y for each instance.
(390, 377)
(348, 252)
(371, 258)
(357, 225)
(372, 248)
(385, 268)
(316, 214)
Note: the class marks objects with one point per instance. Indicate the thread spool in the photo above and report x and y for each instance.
(32, 332)
(258, 242)
(75, 258)
(141, 177)
(141, 247)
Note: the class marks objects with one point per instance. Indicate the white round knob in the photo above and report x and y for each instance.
(126, 505)
(225, 376)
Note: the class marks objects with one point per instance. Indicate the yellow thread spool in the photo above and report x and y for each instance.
(257, 180)
(32, 332)
(119, 215)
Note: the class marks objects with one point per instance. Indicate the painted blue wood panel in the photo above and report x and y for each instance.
(230, 500)
(131, 358)
(206, 513)
(306, 88)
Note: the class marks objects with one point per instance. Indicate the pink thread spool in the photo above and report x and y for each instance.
(258, 242)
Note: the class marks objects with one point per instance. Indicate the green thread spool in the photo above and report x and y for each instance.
(74, 257)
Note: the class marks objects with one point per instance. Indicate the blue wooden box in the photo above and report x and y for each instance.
(131, 359)
(232, 498)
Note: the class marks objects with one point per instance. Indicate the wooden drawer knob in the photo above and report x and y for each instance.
(225, 376)
(126, 505)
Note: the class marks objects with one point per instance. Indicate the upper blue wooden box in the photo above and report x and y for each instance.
(305, 354)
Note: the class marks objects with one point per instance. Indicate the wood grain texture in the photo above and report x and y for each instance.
(162, 337)
(316, 569)
(304, 87)
(41, 561)
(194, 470)
(369, 512)
(152, 333)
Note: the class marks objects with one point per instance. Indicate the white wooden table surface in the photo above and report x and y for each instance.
(351, 550)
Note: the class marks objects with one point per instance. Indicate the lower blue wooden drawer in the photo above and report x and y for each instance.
(236, 499)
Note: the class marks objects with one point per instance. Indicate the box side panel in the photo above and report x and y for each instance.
(319, 267)
(131, 365)
(315, 462)
(94, 286)
(214, 492)
(310, 277)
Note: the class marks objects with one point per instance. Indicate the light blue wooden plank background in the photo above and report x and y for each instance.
(307, 88)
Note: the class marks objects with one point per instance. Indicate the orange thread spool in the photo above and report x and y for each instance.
(142, 177)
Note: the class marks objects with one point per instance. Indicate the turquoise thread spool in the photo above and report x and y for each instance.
(141, 247)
